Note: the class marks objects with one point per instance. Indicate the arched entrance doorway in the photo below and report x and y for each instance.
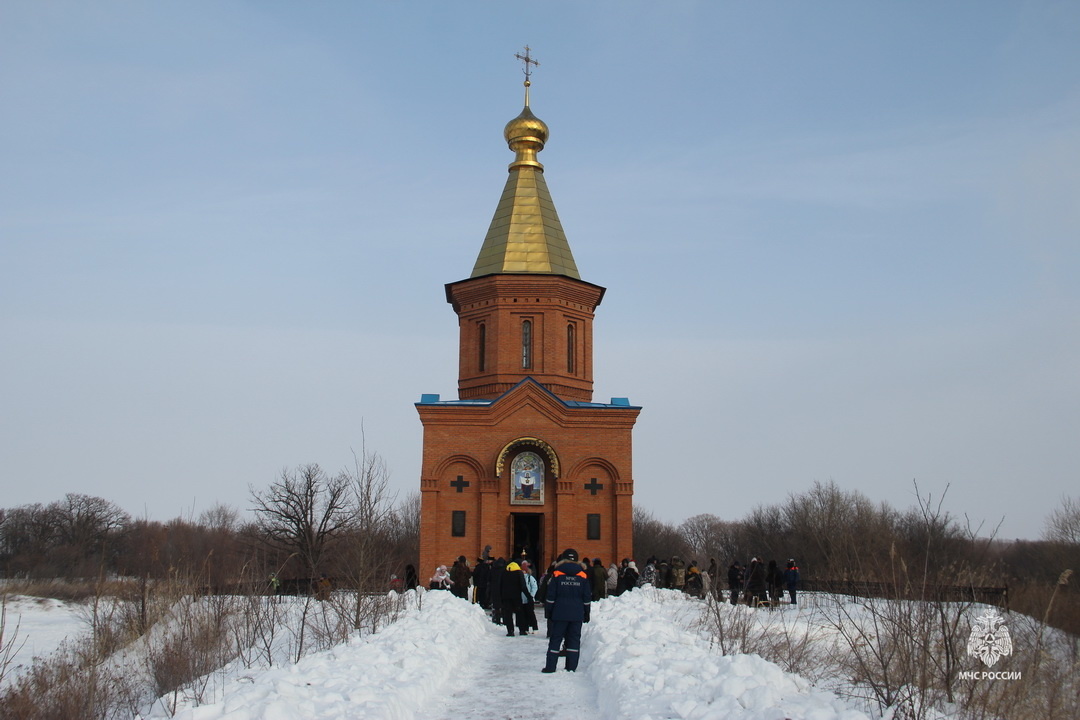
(529, 466)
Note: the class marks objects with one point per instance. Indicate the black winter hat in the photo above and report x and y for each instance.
(570, 554)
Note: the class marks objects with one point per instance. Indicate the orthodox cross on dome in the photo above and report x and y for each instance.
(528, 60)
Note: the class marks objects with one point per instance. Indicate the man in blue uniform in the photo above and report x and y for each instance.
(566, 606)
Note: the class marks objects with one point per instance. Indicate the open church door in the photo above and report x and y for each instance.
(527, 540)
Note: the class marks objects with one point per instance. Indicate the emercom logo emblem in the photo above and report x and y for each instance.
(989, 640)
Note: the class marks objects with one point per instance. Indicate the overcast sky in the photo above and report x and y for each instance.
(841, 240)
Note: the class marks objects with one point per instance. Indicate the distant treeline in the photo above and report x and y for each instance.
(842, 537)
(306, 523)
(348, 526)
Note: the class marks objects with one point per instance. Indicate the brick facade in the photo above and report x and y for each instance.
(492, 311)
(504, 410)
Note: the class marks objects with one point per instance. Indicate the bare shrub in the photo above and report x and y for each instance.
(732, 628)
(381, 609)
(905, 652)
(67, 687)
(10, 642)
(179, 637)
(333, 620)
(787, 639)
(192, 645)
(65, 589)
(255, 630)
(1048, 681)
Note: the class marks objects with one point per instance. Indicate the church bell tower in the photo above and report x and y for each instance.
(523, 460)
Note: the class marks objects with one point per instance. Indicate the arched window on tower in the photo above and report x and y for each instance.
(482, 347)
(526, 344)
(570, 347)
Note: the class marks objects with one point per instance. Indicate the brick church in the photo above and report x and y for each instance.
(523, 460)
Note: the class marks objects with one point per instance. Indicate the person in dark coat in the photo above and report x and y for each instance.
(663, 575)
(598, 580)
(774, 581)
(694, 581)
(677, 574)
(481, 579)
(541, 591)
(630, 576)
(511, 589)
(755, 583)
(648, 575)
(714, 576)
(566, 607)
(411, 579)
(791, 578)
(620, 577)
(459, 578)
(735, 581)
(498, 569)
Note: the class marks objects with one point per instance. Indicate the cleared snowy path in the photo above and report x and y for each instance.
(502, 681)
(641, 659)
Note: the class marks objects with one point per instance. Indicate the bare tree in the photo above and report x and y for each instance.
(220, 518)
(837, 532)
(766, 532)
(655, 537)
(1063, 524)
(367, 560)
(81, 526)
(304, 512)
(85, 520)
(27, 534)
(407, 527)
(709, 537)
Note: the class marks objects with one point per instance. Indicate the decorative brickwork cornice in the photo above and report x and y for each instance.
(508, 289)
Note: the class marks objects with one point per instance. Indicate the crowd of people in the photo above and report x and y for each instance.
(510, 590)
(761, 584)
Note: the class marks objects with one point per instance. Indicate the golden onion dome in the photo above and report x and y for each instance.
(526, 135)
(526, 127)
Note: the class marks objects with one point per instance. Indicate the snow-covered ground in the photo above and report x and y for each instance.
(35, 627)
(642, 659)
(445, 659)
(645, 656)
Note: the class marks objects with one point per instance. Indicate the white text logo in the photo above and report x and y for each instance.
(989, 640)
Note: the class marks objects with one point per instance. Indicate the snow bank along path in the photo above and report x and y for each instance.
(647, 665)
(445, 659)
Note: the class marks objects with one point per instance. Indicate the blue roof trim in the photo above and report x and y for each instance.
(424, 401)
(618, 402)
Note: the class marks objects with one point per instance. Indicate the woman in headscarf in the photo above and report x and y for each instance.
(441, 579)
